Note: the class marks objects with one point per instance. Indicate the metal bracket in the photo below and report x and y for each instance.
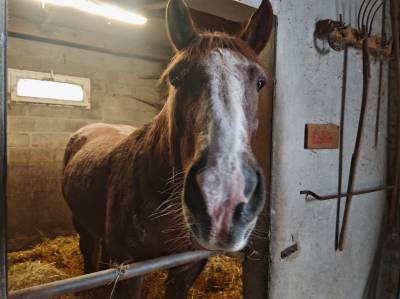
(318, 197)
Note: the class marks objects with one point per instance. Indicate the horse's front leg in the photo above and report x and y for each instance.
(181, 279)
(129, 289)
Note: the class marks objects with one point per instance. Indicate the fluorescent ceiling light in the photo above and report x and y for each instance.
(108, 11)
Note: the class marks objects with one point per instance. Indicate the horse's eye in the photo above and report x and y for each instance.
(260, 84)
(177, 73)
(174, 78)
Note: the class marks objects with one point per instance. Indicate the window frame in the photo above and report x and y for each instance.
(15, 74)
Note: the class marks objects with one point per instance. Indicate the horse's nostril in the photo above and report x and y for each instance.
(251, 181)
(242, 213)
(238, 211)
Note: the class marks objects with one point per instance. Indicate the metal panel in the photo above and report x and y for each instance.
(3, 152)
(253, 3)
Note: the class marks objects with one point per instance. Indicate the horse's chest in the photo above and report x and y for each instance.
(155, 224)
(149, 237)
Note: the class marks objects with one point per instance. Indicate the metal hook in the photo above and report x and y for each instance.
(52, 75)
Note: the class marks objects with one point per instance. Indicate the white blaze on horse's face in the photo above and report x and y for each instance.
(226, 71)
(226, 175)
(222, 182)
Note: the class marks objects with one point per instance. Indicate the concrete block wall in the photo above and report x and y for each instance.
(308, 91)
(123, 90)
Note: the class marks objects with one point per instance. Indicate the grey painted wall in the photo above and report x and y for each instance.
(308, 91)
(38, 133)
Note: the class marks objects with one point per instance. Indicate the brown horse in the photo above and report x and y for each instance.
(188, 180)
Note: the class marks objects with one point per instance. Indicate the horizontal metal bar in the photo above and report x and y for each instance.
(308, 193)
(106, 277)
(84, 47)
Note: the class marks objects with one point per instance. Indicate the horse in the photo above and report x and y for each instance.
(187, 180)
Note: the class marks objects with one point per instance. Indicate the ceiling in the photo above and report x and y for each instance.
(32, 10)
(29, 17)
(235, 10)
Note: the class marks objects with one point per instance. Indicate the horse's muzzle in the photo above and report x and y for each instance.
(222, 199)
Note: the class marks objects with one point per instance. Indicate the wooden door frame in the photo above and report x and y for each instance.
(256, 269)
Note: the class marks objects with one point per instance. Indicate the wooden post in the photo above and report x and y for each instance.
(256, 267)
(394, 12)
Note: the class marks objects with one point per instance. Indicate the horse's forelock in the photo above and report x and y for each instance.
(203, 45)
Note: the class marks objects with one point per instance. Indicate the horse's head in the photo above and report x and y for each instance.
(215, 80)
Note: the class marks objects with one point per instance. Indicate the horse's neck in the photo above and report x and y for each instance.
(155, 151)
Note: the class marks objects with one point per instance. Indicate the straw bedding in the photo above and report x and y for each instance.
(60, 258)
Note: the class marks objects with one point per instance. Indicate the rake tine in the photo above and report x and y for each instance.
(359, 15)
(337, 9)
(340, 166)
(373, 18)
(350, 13)
(357, 146)
(367, 8)
(371, 9)
(344, 13)
(379, 100)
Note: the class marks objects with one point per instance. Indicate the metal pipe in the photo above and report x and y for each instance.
(340, 166)
(379, 100)
(394, 12)
(333, 196)
(357, 146)
(3, 149)
(106, 277)
(84, 47)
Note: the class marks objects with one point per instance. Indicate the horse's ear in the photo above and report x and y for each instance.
(258, 30)
(181, 29)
